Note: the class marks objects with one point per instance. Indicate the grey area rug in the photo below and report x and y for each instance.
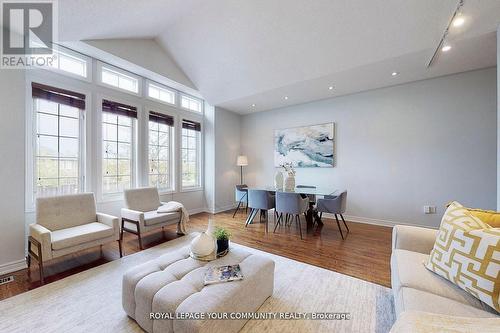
(90, 301)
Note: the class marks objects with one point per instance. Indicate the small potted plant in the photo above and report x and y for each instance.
(222, 236)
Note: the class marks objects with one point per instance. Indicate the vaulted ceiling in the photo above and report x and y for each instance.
(239, 53)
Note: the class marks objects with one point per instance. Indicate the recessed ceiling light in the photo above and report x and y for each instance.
(253, 105)
(286, 97)
(330, 88)
(446, 48)
(458, 21)
(395, 73)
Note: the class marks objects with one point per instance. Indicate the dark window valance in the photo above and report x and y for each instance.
(161, 118)
(58, 95)
(119, 109)
(192, 125)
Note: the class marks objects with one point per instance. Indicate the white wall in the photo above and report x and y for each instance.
(397, 148)
(227, 149)
(12, 170)
(222, 147)
(145, 53)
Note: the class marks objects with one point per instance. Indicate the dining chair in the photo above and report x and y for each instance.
(241, 192)
(334, 205)
(293, 204)
(260, 200)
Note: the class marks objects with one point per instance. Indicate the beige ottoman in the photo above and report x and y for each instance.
(173, 284)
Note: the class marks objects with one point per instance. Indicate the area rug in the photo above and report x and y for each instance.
(90, 301)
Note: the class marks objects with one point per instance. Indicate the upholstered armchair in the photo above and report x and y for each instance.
(140, 214)
(68, 224)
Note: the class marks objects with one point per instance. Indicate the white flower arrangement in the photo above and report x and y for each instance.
(288, 167)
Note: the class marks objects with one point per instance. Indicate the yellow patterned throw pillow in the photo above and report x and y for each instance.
(467, 253)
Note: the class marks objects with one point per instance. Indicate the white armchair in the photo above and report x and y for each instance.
(141, 214)
(68, 224)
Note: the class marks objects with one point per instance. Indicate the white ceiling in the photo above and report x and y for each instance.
(242, 52)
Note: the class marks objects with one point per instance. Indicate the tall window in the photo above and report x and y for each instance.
(190, 153)
(118, 139)
(160, 131)
(57, 160)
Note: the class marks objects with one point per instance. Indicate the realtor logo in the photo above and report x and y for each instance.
(28, 31)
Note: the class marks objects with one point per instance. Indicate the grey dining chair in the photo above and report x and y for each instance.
(293, 204)
(260, 200)
(334, 205)
(241, 192)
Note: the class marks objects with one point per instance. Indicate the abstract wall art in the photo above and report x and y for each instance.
(305, 147)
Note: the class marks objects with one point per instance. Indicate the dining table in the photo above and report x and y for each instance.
(320, 191)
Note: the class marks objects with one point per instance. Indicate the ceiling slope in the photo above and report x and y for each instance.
(239, 53)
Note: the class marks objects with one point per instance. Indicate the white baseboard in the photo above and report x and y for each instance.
(13, 266)
(197, 210)
(381, 222)
(221, 208)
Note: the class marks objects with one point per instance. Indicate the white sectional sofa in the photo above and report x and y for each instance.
(417, 289)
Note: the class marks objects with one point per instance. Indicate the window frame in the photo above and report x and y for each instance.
(31, 136)
(99, 69)
(99, 145)
(202, 104)
(57, 49)
(149, 83)
(172, 151)
(200, 157)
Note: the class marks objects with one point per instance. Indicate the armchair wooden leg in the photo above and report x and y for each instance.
(37, 256)
(139, 235)
(135, 232)
(120, 247)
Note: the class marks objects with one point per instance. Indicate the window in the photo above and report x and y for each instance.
(191, 103)
(57, 151)
(120, 79)
(160, 131)
(117, 145)
(190, 153)
(162, 94)
(71, 62)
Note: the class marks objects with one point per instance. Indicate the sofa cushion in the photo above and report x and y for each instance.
(153, 217)
(424, 322)
(142, 199)
(467, 253)
(409, 299)
(490, 217)
(80, 234)
(408, 270)
(66, 211)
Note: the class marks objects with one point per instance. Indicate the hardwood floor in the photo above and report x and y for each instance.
(365, 253)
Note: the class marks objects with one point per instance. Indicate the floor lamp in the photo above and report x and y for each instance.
(241, 162)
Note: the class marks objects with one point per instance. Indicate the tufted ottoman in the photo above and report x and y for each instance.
(173, 284)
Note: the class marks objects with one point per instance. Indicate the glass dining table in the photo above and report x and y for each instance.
(320, 191)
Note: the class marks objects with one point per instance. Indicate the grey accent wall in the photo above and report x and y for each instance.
(397, 148)
(12, 138)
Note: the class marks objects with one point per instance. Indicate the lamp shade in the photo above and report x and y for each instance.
(242, 160)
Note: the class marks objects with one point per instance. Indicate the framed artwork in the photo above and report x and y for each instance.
(306, 146)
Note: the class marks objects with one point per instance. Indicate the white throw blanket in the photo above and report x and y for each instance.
(172, 207)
